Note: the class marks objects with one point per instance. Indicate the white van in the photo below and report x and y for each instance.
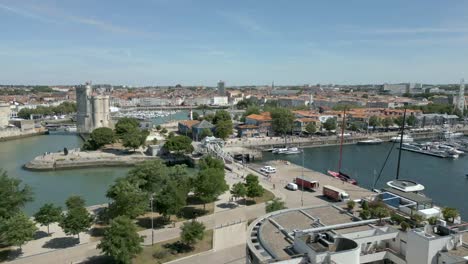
(291, 186)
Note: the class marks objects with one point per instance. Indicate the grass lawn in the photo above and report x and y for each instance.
(164, 251)
(193, 209)
(267, 196)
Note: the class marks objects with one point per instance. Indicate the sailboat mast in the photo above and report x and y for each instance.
(401, 144)
(341, 142)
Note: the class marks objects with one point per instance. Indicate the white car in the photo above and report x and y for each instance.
(268, 169)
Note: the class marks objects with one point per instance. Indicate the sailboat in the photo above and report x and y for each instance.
(339, 174)
(402, 185)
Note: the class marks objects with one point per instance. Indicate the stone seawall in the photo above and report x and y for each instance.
(15, 133)
(83, 159)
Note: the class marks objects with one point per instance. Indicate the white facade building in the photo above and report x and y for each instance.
(219, 100)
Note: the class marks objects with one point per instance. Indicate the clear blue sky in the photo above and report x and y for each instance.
(165, 42)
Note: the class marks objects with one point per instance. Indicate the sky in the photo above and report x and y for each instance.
(243, 42)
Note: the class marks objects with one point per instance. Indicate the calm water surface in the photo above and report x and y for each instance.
(55, 186)
(444, 179)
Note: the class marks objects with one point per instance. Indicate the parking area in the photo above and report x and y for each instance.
(286, 172)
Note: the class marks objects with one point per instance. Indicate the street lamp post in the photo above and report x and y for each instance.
(302, 188)
(152, 229)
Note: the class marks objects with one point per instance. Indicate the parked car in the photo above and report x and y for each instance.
(268, 169)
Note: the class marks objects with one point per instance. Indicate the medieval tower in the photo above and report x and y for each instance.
(93, 110)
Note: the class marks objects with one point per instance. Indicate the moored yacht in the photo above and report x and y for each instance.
(406, 139)
(371, 141)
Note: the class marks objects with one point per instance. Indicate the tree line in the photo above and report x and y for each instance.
(61, 109)
(127, 131)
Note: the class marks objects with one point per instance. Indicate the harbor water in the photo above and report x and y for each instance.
(444, 179)
(57, 186)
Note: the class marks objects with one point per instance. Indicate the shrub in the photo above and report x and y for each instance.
(432, 220)
(365, 214)
(404, 226)
(397, 218)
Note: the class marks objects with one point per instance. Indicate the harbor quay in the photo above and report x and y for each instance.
(84, 159)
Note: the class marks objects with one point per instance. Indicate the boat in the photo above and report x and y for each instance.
(291, 151)
(279, 150)
(406, 139)
(372, 141)
(339, 174)
(449, 134)
(428, 149)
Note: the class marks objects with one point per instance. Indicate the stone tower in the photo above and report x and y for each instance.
(93, 110)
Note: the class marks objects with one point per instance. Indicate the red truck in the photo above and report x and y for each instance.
(334, 193)
(305, 183)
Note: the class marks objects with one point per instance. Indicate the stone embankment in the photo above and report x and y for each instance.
(85, 159)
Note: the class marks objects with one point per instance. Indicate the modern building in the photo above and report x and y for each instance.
(332, 235)
(93, 110)
(221, 90)
(5, 113)
(396, 89)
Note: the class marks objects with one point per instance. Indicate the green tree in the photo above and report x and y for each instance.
(246, 103)
(365, 214)
(209, 184)
(387, 122)
(195, 115)
(170, 200)
(149, 175)
(74, 201)
(77, 219)
(48, 214)
(254, 189)
(121, 240)
(205, 133)
(124, 125)
(17, 230)
(330, 124)
(417, 218)
(209, 161)
(221, 116)
(411, 120)
(179, 144)
(191, 232)
(209, 117)
(274, 205)
(365, 205)
(450, 213)
(354, 126)
(238, 190)
(350, 205)
(311, 128)
(404, 226)
(380, 212)
(128, 199)
(102, 136)
(132, 138)
(163, 130)
(223, 129)
(282, 121)
(432, 220)
(13, 195)
(374, 121)
(399, 121)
